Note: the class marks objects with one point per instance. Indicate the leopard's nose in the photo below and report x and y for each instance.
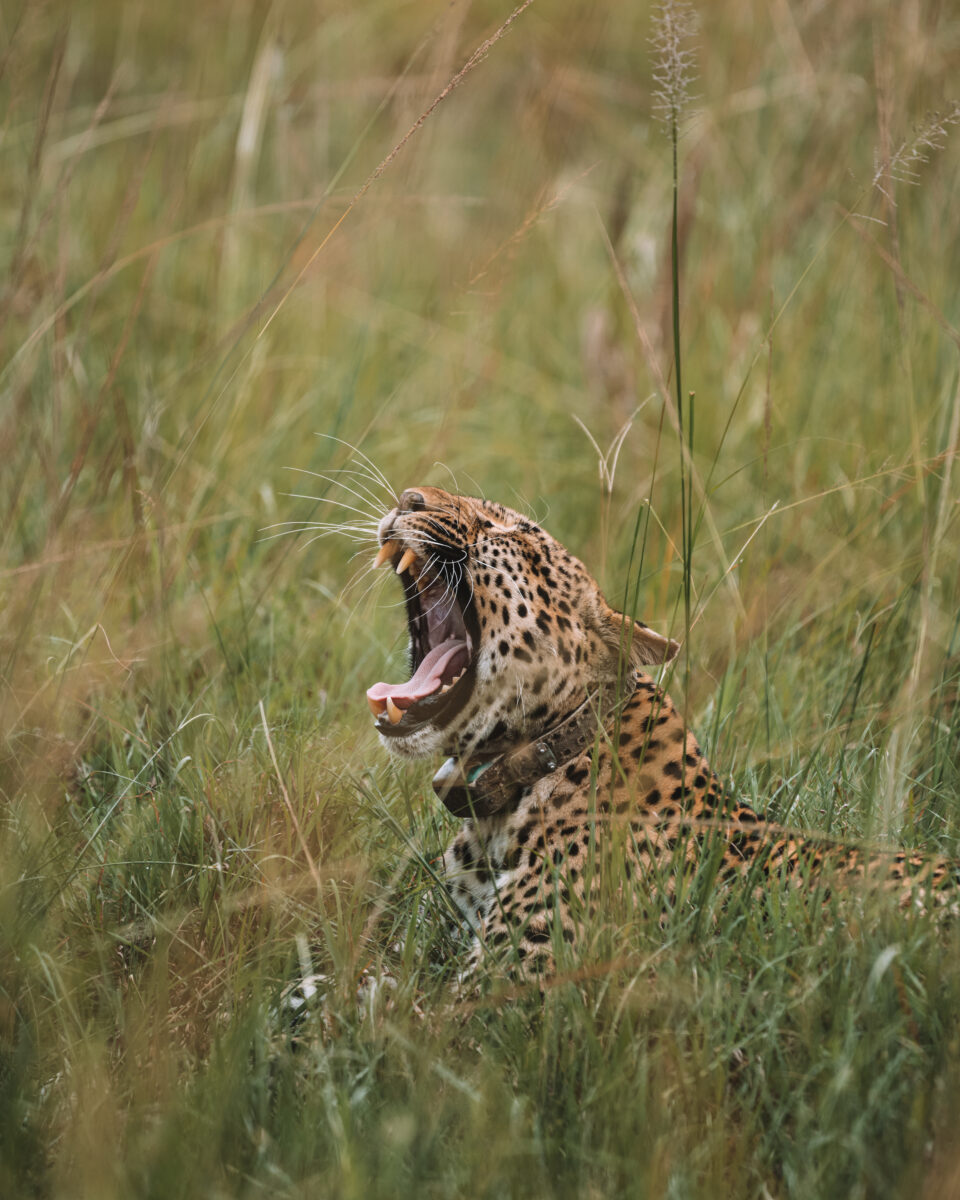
(412, 501)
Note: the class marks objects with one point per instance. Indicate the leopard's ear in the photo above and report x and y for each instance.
(633, 641)
(645, 646)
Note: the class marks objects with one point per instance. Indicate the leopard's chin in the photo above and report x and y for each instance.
(412, 717)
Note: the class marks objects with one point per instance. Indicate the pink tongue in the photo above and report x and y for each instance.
(427, 680)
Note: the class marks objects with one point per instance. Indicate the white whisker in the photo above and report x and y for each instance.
(364, 499)
(326, 500)
(373, 466)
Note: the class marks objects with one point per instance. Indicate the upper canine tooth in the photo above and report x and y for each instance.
(406, 559)
(393, 712)
(386, 551)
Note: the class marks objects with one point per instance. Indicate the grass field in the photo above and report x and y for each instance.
(216, 272)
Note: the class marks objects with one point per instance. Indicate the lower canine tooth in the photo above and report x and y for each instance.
(446, 688)
(393, 712)
(376, 706)
(406, 559)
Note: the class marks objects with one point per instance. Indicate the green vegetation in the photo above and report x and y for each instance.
(193, 801)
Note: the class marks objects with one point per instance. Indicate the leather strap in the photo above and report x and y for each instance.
(479, 788)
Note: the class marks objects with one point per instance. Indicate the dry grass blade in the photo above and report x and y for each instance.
(314, 873)
(473, 61)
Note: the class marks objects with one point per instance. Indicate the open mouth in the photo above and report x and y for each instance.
(443, 637)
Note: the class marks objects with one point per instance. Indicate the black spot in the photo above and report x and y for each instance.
(528, 638)
(504, 648)
(672, 769)
(543, 594)
(523, 655)
(521, 609)
(543, 622)
(576, 774)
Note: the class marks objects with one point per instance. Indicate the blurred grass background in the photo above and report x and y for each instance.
(181, 315)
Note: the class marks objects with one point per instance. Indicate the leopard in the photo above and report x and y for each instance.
(560, 742)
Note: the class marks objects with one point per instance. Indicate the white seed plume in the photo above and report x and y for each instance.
(929, 137)
(674, 59)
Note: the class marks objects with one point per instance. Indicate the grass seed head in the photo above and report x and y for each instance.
(675, 25)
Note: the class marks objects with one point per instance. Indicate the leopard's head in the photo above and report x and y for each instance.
(508, 631)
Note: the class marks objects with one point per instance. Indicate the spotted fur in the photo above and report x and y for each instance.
(542, 637)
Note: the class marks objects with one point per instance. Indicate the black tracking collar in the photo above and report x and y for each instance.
(482, 787)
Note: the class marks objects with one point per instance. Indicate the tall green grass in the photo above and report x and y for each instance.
(194, 806)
